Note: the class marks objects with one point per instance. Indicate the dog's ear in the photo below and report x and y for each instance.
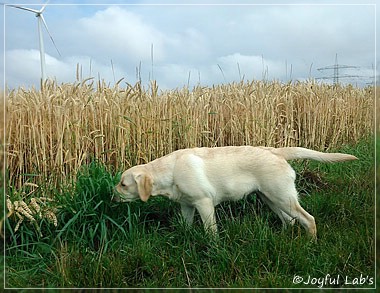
(144, 185)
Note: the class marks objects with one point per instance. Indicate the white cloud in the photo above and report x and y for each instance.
(191, 45)
(23, 67)
(116, 31)
(178, 75)
(237, 66)
(259, 40)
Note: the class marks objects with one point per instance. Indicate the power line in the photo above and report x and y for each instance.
(336, 75)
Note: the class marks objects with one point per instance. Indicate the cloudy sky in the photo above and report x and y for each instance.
(180, 45)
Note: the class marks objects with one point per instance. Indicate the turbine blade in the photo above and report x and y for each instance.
(51, 38)
(24, 8)
(43, 7)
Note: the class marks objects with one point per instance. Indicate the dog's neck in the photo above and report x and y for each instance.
(162, 175)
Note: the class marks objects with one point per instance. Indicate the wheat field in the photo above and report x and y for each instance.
(51, 133)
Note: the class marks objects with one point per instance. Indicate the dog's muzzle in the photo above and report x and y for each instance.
(116, 196)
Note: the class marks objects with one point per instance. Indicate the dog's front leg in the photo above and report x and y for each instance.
(206, 210)
(187, 213)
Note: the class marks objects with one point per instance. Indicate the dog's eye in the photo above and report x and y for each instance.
(123, 185)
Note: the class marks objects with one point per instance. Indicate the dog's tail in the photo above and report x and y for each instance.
(292, 153)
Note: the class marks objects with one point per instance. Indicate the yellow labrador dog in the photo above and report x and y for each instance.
(201, 178)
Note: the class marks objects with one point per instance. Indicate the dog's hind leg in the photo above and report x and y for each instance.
(285, 199)
(281, 191)
(284, 217)
(294, 210)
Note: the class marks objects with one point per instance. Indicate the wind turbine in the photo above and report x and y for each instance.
(41, 22)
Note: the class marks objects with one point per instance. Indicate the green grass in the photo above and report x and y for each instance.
(99, 243)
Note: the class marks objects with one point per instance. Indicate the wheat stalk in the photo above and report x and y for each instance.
(53, 133)
(21, 210)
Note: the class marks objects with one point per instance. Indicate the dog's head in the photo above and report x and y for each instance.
(135, 183)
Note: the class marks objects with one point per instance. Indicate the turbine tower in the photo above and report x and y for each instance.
(41, 22)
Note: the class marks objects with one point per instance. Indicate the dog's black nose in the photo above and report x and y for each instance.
(115, 196)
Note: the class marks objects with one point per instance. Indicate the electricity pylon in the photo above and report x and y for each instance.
(336, 67)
